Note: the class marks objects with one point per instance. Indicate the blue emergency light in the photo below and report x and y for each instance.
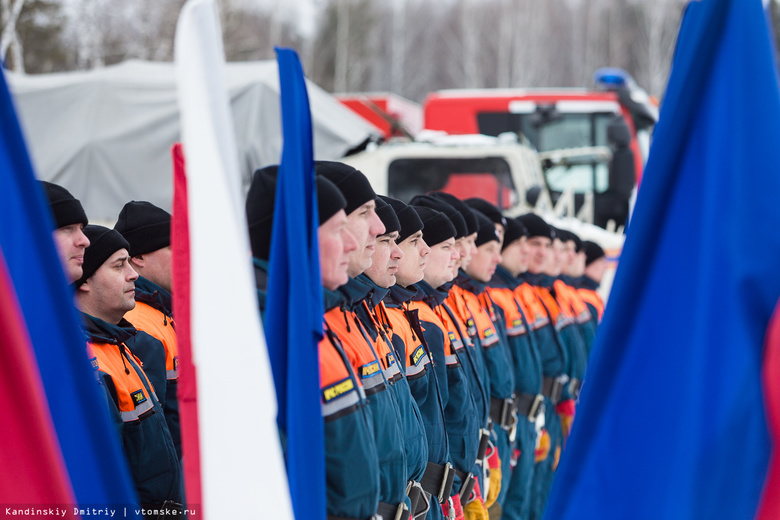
(610, 78)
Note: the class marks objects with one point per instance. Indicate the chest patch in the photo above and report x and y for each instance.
(337, 389)
(138, 397)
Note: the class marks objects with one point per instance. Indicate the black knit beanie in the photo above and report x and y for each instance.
(260, 204)
(565, 236)
(436, 226)
(351, 182)
(67, 210)
(387, 215)
(486, 230)
(103, 242)
(260, 210)
(146, 227)
(487, 209)
(512, 231)
(593, 251)
(536, 226)
(461, 207)
(461, 230)
(408, 218)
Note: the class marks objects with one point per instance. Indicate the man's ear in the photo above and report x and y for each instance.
(138, 260)
(84, 287)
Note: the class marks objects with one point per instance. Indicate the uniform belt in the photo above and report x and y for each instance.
(529, 405)
(392, 512)
(469, 481)
(420, 499)
(501, 412)
(484, 441)
(552, 389)
(437, 480)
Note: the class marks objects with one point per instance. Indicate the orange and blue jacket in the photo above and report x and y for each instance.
(571, 332)
(153, 314)
(372, 364)
(526, 361)
(416, 362)
(566, 291)
(137, 413)
(542, 324)
(495, 351)
(351, 458)
(586, 287)
(447, 344)
(373, 316)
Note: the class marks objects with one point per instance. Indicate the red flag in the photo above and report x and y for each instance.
(39, 476)
(770, 501)
(188, 385)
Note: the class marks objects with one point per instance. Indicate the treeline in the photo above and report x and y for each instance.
(409, 47)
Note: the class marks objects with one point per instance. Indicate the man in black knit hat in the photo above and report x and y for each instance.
(351, 459)
(147, 230)
(69, 221)
(104, 293)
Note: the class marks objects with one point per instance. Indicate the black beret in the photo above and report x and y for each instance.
(67, 210)
(103, 242)
(408, 218)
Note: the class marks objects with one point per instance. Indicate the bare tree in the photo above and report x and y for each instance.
(10, 37)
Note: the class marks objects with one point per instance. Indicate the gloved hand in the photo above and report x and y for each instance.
(457, 510)
(476, 510)
(566, 411)
(494, 463)
(542, 446)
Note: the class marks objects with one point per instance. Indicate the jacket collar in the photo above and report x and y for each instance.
(376, 293)
(152, 294)
(99, 331)
(261, 280)
(433, 297)
(504, 279)
(470, 284)
(541, 279)
(587, 282)
(399, 295)
(354, 292)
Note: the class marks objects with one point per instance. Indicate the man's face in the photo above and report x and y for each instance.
(441, 261)
(71, 243)
(336, 244)
(110, 292)
(555, 260)
(569, 256)
(466, 249)
(385, 260)
(483, 264)
(595, 270)
(365, 226)
(539, 250)
(155, 267)
(514, 257)
(411, 268)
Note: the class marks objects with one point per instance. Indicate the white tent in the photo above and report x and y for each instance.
(106, 134)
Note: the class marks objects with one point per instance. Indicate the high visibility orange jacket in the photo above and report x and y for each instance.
(153, 315)
(372, 365)
(587, 289)
(136, 410)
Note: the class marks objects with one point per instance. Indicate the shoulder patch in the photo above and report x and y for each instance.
(488, 332)
(138, 397)
(369, 369)
(417, 355)
(337, 389)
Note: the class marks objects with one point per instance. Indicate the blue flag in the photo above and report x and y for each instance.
(88, 440)
(293, 322)
(671, 421)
